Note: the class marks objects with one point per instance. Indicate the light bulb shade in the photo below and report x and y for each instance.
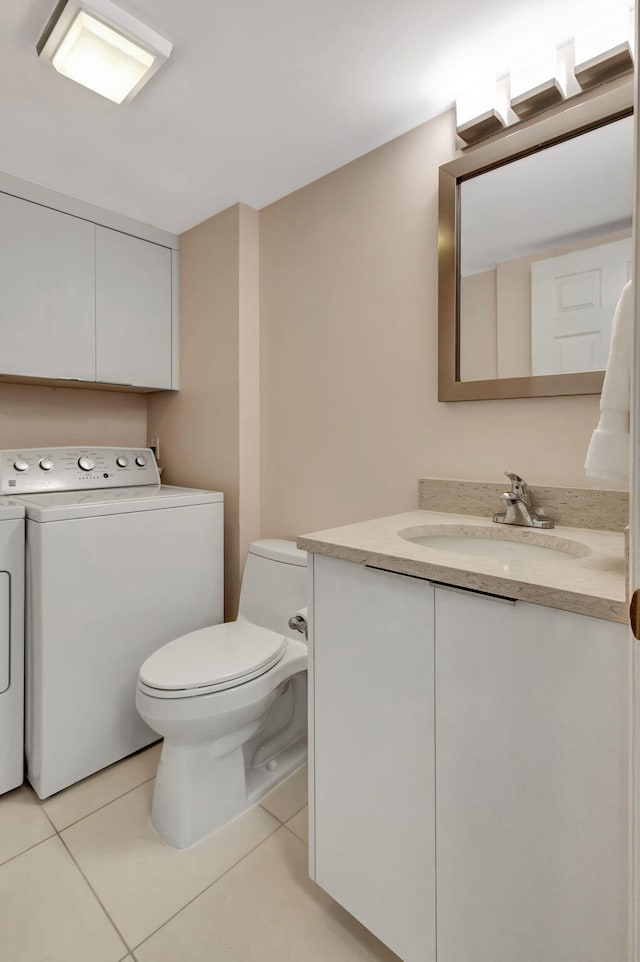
(102, 47)
(479, 113)
(604, 50)
(537, 85)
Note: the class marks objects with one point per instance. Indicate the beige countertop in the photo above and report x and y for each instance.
(591, 580)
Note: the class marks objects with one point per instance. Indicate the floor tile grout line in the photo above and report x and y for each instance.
(28, 848)
(46, 815)
(209, 886)
(289, 817)
(95, 894)
(269, 813)
(57, 832)
(291, 832)
(98, 809)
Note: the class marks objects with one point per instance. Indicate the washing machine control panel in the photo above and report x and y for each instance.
(36, 470)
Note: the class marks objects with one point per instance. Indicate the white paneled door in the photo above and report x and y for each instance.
(573, 299)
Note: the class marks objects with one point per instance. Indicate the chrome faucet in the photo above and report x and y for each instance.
(518, 507)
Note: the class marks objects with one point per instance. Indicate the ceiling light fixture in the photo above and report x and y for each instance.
(102, 47)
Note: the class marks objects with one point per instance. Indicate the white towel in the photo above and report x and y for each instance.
(609, 451)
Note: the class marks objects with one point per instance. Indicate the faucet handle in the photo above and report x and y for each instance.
(514, 478)
(518, 484)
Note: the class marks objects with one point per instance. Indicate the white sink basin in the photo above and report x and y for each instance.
(514, 544)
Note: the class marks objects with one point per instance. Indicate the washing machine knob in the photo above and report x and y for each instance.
(20, 464)
(121, 461)
(86, 464)
(141, 461)
(46, 464)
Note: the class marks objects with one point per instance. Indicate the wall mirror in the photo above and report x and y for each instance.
(534, 250)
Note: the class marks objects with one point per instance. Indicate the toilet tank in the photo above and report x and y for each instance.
(274, 584)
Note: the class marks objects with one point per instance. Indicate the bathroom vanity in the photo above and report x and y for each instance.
(469, 739)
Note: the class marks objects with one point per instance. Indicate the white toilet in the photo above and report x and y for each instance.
(230, 701)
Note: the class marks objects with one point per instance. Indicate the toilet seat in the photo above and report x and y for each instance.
(211, 659)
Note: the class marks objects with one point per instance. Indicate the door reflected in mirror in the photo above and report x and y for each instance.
(545, 250)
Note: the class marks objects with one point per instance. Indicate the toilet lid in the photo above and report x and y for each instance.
(219, 654)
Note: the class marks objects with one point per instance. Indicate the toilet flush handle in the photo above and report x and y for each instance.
(298, 622)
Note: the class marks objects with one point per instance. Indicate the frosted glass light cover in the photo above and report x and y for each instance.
(479, 113)
(475, 103)
(533, 74)
(100, 58)
(538, 84)
(603, 37)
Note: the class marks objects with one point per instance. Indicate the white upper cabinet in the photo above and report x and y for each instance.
(83, 295)
(133, 311)
(47, 314)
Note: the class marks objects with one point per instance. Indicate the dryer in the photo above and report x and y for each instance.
(11, 644)
(117, 565)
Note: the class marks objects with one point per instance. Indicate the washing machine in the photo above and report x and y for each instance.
(11, 644)
(117, 564)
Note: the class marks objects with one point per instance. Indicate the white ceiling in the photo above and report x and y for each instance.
(260, 96)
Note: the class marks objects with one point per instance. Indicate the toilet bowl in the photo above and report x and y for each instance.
(230, 702)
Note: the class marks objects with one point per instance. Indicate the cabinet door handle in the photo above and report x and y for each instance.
(634, 614)
(474, 591)
(5, 630)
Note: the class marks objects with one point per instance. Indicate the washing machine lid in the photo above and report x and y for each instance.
(66, 505)
(10, 509)
(217, 655)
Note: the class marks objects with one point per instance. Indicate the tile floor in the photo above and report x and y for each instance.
(83, 878)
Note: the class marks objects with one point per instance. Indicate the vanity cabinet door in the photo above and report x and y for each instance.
(47, 316)
(532, 745)
(133, 311)
(372, 750)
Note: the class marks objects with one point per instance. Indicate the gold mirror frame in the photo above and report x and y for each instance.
(580, 114)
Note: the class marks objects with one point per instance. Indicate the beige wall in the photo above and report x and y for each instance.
(348, 325)
(31, 416)
(248, 384)
(209, 430)
(478, 327)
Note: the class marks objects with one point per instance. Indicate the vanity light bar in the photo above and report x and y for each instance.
(600, 53)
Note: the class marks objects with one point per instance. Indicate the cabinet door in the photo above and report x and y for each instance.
(133, 310)
(532, 747)
(373, 750)
(47, 315)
